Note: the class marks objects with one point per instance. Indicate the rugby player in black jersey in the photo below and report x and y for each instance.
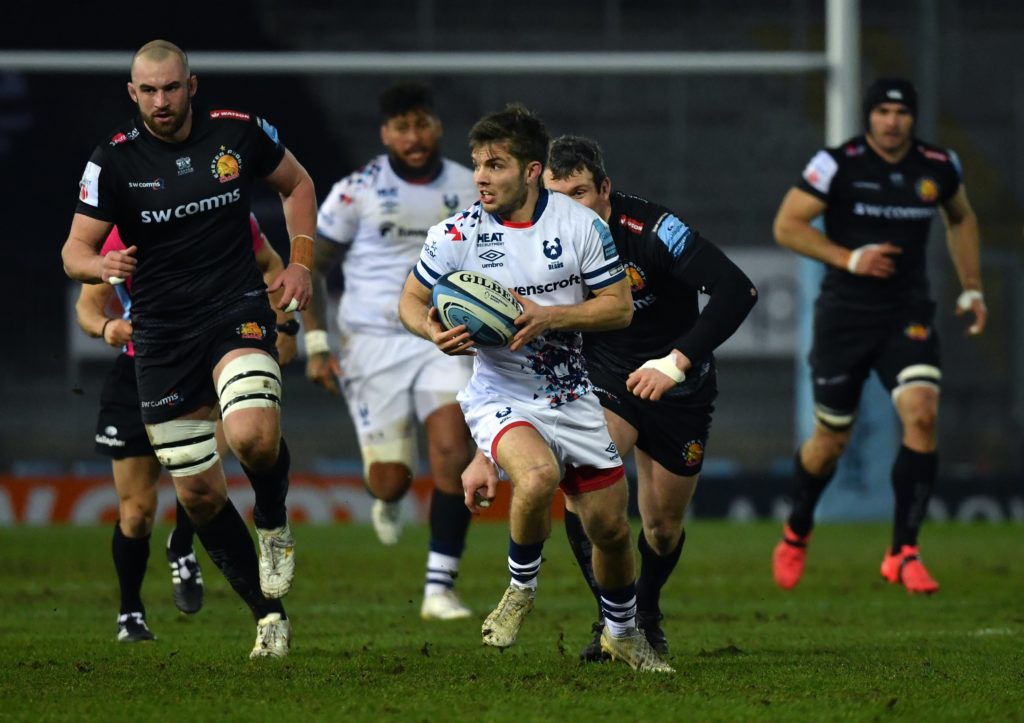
(877, 193)
(176, 180)
(656, 378)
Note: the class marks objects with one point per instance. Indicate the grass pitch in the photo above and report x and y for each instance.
(842, 646)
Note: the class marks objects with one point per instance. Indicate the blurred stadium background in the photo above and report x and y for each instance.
(721, 149)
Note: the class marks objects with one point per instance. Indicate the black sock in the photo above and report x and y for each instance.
(804, 496)
(584, 552)
(271, 488)
(655, 571)
(227, 542)
(913, 479)
(180, 542)
(131, 555)
(449, 522)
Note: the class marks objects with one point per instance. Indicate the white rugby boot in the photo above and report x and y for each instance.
(387, 521)
(277, 560)
(273, 637)
(444, 605)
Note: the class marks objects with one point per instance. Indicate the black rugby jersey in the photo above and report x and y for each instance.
(667, 264)
(186, 206)
(873, 201)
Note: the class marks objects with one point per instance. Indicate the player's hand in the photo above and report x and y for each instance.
(453, 342)
(287, 348)
(973, 303)
(533, 322)
(648, 382)
(116, 266)
(479, 483)
(118, 333)
(296, 285)
(322, 369)
(874, 260)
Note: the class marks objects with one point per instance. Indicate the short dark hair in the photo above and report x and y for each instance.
(404, 97)
(526, 135)
(569, 154)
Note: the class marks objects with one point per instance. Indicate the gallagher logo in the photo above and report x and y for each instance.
(226, 165)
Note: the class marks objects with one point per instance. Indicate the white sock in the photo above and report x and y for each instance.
(441, 573)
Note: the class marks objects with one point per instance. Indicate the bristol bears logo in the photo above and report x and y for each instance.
(451, 202)
(553, 249)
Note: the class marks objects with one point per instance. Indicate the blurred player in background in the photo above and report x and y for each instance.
(529, 405)
(121, 435)
(655, 379)
(376, 220)
(878, 193)
(177, 182)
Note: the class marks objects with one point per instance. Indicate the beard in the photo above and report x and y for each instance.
(428, 171)
(165, 128)
(516, 202)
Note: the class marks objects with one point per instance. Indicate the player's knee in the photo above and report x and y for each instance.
(662, 535)
(250, 381)
(920, 420)
(136, 519)
(825, 447)
(202, 504)
(388, 481)
(537, 484)
(608, 530)
(185, 447)
(258, 447)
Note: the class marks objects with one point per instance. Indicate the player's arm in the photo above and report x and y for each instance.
(81, 253)
(298, 199)
(419, 316)
(90, 311)
(610, 307)
(964, 243)
(322, 368)
(793, 230)
(732, 296)
(270, 265)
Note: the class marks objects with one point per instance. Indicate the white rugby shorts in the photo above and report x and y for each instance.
(391, 381)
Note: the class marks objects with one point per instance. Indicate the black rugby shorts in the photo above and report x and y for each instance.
(119, 429)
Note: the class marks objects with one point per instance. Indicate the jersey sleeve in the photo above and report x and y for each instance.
(818, 175)
(96, 197)
(338, 217)
(257, 234)
(955, 176)
(268, 147)
(436, 258)
(599, 258)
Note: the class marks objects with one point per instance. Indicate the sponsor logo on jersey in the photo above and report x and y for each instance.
(89, 186)
(893, 213)
(155, 185)
(917, 332)
(693, 452)
(896, 179)
(453, 233)
(553, 249)
(232, 114)
(820, 171)
(607, 242)
(171, 400)
(251, 330)
(503, 413)
(364, 415)
(451, 202)
(869, 185)
(430, 248)
(184, 165)
(853, 150)
(119, 138)
(637, 277)
(492, 258)
(226, 165)
(491, 239)
(387, 192)
(531, 289)
(210, 203)
(108, 441)
(388, 229)
(933, 155)
(927, 189)
(674, 234)
(632, 224)
(612, 451)
(346, 199)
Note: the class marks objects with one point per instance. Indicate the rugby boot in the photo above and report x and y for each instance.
(907, 569)
(132, 628)
(186, 580)
(387, 521)
(273, 637)
(634, 650)
(592, 652)
(501, 627)
(444, 605)
(277, 560)
(649, 621)
(789, 558)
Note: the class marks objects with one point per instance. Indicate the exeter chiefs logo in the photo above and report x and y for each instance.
(927, 189)
(693, 453)
(917, 332)
(251, 330)
(226, 165)
(636, 276)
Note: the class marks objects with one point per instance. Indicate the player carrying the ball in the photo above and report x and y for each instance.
(529, 405)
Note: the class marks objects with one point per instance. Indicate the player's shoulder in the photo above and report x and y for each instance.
(223, 116)
(936, 156)
(122, 138)
(559, 207)
(459, 226)
(635, 214)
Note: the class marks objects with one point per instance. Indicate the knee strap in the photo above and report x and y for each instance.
(184, 446)
(248, 381)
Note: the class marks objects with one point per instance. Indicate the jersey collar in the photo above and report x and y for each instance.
(542, 202)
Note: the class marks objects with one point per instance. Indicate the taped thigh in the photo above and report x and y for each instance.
(249, 381)
(833, 419)
(184, 446)
(917, 375)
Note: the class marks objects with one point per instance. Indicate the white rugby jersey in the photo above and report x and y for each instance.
(384, 219)
(558, 258)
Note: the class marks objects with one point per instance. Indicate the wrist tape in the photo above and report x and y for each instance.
(667, 366)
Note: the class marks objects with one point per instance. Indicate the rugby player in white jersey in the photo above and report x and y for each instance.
(530, 405)
(375, 220)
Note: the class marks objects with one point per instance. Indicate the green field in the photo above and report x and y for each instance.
(842, 646)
